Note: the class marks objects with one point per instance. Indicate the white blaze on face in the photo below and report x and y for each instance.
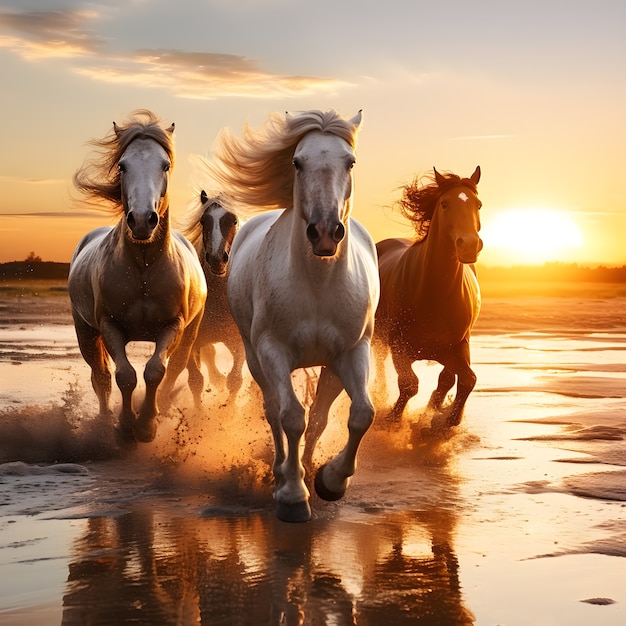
(216, 235)
(463, 196)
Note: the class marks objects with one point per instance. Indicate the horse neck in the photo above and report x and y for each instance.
(435, 261)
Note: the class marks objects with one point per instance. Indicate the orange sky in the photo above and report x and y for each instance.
(533, 96)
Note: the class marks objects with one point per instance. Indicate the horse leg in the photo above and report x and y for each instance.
(329, 386)
(465, 384)
(272, 410)
(331, 480)
(209, 356)
(195, 377)
(173, 341)
(408, 383)
(234, 379)
(459, 362)
(96, 356)
(290, 491)
(380, 351)
(445, 382)
(125, 377)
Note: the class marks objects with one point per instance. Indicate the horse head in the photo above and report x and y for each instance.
(323, 163)
(144, 170)
(458, 208)
(219, 227)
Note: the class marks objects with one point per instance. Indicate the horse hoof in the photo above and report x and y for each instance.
(323, 491)
(125, 437)
(293, 512)
(145, 432)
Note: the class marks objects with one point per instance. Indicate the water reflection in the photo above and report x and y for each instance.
(149, 566)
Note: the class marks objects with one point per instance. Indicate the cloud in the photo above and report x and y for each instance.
(49, 34)
(202, 75)
(54, 214)
(481, 137)
(32, 181)
(64, 35)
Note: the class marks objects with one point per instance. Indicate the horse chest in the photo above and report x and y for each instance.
(140, 305)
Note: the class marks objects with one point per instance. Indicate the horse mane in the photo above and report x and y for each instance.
(257, 168)
(419, 198)
(98, 178)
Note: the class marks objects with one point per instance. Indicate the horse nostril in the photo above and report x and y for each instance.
(225, 257)
(311, 233)
(130, 219)
(153, 220)
(340, 233)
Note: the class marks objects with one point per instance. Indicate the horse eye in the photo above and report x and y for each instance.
(166, 167)
(121, 168)
(297, 164)
(444, 205)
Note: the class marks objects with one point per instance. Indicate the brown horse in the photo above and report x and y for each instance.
(211, 228)
(430, 296)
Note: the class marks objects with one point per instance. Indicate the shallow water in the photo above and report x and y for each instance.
(516, 519)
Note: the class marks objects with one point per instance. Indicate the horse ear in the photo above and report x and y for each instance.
(356, 120)
(203, 197)
(475, 177)
(438, 177)
(171, 128)
(116, 129)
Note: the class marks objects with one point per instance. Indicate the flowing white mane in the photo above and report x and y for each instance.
(257, 169)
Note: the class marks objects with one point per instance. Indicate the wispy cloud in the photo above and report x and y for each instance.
(54, 214)
(49, 34)
(201, 75)
(480, 137)
(66, 35)
(32, 181)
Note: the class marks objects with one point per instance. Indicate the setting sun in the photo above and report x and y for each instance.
(532, 235)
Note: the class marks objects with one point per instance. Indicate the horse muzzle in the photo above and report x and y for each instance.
(468, 249)
(217, 264)
(142, 226)
(325, 237)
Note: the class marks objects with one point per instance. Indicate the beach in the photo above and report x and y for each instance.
(518, 518)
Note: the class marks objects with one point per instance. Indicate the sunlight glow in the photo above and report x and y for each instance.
(532, 235)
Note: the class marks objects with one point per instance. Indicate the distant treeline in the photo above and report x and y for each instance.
(34, 270)
(555, 272)
(549, 272)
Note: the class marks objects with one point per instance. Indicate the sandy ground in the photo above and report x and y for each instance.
(519, 518)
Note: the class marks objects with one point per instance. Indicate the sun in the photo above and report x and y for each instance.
(532, 235)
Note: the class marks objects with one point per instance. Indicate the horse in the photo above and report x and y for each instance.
(211, 229)
(302, 284)
(430, 296)
(137, 280)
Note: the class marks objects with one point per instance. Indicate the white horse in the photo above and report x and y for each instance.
(138, 280)
(303, 284)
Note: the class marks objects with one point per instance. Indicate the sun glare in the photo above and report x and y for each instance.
(532, 235)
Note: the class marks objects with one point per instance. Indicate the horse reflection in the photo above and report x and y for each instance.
(229, 568)
(119, 576)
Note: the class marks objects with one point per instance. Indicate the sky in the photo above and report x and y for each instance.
(534, 92)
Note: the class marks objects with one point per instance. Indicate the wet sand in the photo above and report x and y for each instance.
(519, 518)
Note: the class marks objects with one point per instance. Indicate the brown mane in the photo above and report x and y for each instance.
(419, 198)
